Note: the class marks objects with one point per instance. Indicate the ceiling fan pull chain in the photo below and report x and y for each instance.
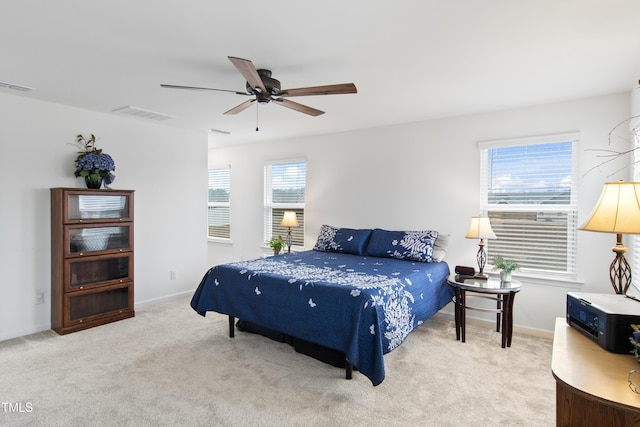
(257, 105)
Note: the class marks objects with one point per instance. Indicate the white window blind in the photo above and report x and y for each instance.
(528, 190)
(219, 204)
(284, 190)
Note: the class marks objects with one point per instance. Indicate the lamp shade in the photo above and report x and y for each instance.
(480, 228)
(289, 219)
(618, 210)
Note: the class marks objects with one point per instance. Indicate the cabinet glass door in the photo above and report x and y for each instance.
(82, 273)
(98, 206)
(82, 239)
(85, 305)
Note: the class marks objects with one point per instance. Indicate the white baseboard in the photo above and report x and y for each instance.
(137, 305)
(24, 332)
(166, 298)
(444, 316)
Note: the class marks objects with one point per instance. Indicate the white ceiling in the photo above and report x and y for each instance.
(410, 60)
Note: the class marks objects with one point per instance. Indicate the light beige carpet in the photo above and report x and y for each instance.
(170, 366)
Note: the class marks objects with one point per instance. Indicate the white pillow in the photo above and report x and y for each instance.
(440, 247)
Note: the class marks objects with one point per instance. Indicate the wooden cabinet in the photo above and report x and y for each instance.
(91, 257)
(591, 383)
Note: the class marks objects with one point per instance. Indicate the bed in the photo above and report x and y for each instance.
(358, 292)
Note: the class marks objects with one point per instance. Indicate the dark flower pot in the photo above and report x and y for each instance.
(93, 184)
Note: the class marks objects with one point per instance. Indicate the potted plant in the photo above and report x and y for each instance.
(92, 164)
(506, 267)
(276, 244)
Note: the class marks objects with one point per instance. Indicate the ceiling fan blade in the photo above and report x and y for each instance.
(338, 89)
(202, 88)
(241, 107)
(298, 107)
(249, 72)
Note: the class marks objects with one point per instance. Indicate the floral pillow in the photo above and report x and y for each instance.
(344, 240)
(407, 245)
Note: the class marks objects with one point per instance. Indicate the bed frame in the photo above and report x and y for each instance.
(347, 366)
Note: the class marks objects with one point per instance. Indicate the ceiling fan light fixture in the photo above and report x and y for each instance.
(263, 98)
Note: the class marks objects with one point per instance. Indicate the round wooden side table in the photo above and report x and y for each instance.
(501, 292)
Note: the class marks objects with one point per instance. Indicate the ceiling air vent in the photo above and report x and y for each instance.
(15, 87)
(143, 114)
(223, 132)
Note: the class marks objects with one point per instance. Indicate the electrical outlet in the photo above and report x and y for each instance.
(172, 275)
(39, 296)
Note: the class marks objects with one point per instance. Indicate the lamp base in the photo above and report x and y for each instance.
(289, 240)
(481, 257)
(620, 270)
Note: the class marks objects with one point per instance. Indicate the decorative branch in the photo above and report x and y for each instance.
(614, 155)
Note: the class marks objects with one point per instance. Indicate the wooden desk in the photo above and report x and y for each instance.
(591, 383)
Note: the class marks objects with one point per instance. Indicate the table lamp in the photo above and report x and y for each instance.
(617, 211)
(480, 228)
(289, 220)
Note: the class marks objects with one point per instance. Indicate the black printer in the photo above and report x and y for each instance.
(605, 318)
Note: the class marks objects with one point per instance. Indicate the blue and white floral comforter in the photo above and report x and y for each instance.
(362, 306)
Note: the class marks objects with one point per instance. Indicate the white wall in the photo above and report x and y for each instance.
(166, 167)
(425, 175)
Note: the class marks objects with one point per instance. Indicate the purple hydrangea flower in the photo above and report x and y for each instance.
(95, 165)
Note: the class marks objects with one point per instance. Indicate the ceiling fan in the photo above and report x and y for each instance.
(265, 89)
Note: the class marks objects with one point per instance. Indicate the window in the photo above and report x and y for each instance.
(284, 190)
(219, 206)
(528, 191)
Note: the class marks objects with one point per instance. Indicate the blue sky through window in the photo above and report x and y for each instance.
(530, 174)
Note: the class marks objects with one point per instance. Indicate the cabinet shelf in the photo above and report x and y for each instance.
(89, 239)
(92, 257)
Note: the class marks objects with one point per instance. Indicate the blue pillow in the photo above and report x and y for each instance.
(343, 240)
(407, 245)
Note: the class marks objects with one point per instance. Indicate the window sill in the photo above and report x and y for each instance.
(284, 250)
(560, 281)
(219, 240)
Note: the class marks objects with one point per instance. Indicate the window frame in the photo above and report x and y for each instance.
(269, 204)
(570, 208)
(634, 130)
(219, 204)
